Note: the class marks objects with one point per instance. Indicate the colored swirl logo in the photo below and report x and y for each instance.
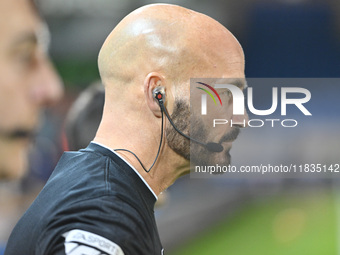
(209, 93)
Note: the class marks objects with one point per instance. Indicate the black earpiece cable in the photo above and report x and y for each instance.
(170, 120)
(159, 148)
(159, 95)
(210, 146)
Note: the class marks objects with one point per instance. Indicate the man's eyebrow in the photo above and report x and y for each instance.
(238, 82)
(241, 83)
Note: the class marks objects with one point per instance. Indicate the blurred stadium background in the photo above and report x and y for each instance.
(281, 38)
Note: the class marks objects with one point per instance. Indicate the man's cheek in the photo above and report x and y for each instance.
(13, 158)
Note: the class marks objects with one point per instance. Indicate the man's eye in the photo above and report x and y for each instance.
(25, 54)
(226, 92)
(26, 58)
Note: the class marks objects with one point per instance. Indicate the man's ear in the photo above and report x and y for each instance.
(152, 81)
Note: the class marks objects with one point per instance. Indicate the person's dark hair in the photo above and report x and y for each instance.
(83, 118)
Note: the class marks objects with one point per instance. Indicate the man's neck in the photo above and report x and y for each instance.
(168, 167)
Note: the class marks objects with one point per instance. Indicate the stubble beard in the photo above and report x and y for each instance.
(194, 127)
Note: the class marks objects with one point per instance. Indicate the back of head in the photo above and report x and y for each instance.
(84, 117)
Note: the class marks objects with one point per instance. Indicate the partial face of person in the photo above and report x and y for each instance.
(200, 127)
(28, 82)
(203, 125)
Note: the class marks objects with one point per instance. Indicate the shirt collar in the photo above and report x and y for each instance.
(134, 169)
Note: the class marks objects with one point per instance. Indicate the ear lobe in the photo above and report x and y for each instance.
(151, 82)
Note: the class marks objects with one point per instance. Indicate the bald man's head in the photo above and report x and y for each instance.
(164, 45)
(177, 42)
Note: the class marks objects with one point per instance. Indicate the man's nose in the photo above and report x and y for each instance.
(240, 120)
(48, 88)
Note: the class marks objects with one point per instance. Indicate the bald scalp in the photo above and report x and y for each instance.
(174, 41)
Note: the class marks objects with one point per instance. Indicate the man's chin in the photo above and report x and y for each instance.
(202, 157)
(224, 157)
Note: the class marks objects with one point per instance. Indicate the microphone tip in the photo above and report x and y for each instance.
(214, 147)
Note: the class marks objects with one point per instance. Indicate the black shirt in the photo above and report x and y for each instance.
(98, 196)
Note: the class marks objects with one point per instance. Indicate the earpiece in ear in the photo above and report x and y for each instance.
(159, 93)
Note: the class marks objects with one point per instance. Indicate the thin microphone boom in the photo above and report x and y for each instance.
(171, 122)
(211, 146)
